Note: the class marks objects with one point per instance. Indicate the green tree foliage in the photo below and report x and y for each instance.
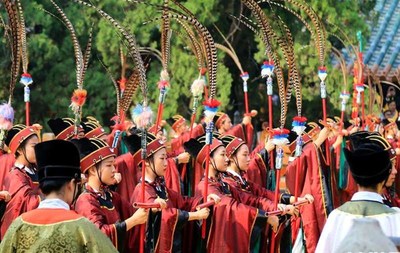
(52, 63)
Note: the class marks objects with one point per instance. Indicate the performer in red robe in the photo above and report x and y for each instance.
(182, 134)
(113, 215)
(53, 227)
(311, 180)
(164, 230)
(259, 171)
(239, 161)
(234, 225)
(21, 182)
(6, 163)
(244, 131)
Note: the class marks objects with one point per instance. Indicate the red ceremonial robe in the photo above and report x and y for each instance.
(259, 169)
(244, 132)
(233, 226)
(247, 186)
(310, 181)
(130, 175)
(24, 192)
(108, 213)
(166, 225)
(177, 143)
(172, 177)
(6, 163)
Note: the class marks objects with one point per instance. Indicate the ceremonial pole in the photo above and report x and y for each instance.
(322, 74)
(267, 70)
(197, 90)
(279, 139)
(210, 109)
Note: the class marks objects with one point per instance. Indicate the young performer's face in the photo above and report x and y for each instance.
(29, 149)
(161, 137)
(243, 157)
(227, 124)
(220, 159)
(392, 175)
(160, 161)
(107, 171)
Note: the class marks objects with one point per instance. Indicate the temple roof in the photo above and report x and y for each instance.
(382, 50)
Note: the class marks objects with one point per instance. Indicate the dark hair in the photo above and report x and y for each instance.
(53, 185)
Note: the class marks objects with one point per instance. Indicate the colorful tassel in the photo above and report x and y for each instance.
(210, 109)
(299, 124)
(322, 73)
(280, 136)
(197, 87)
(245, 76)
(142, 116)
(267, 68)
(78, 99)
(6, 116)
(122, 84)
(26, 79)
(344, 96)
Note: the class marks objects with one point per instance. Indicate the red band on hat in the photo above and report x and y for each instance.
(201, 157)
(233, 146)
(178, 123)
(67, 133)
(96, 157)
(152, 148)
(219, 121)
(95, 133)
(20, 137)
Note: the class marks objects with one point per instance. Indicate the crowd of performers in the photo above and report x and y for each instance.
(44, 180)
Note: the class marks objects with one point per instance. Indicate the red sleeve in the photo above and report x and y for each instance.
(257, 190)
(258, 170)
(24, 197)
(6, 163)
(177, 143)
(183, 202)
(238, 131)
(130, 175)
(88, 206)
(233, 223)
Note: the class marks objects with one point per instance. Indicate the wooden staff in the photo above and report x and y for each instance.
(206, 204)
(146, 205)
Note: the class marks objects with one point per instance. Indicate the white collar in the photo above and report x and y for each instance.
(53, 204)
(21, 166)
(364, 195)
(147, 180)
(235, 174)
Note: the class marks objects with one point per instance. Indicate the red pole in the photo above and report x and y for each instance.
(27, 107)
(204, 226)
(246, 102)
(363, 110)
(276, 200)
(296, 187)
(271, 154)
(326, 142)
(159, 115)
(143, 227)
